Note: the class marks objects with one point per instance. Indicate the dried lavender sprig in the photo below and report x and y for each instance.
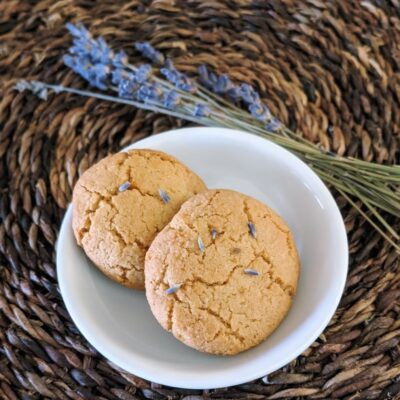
(300, 149)
(103, 53)
(307, 152)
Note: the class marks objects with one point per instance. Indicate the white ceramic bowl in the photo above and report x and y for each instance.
(118, 322)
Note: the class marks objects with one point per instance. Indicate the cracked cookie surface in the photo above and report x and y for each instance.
(214, 283)
(115, 224)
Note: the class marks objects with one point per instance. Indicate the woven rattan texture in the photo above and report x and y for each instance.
(330, 70)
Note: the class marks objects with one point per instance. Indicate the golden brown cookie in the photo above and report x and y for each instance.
(222, 274)
(122, 202)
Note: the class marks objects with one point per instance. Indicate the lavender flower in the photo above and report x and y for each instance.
(260, 111)
(100, 52)
(171, 99)
(257, 109)
(174, 288)
(273, 125)
(34, 86)
(78, 31)
(90, 58)
(43, 94)
(251, 271)
(40, 89)
(248, 94)
(124, 186)
(170, 72)
(252, 229)
(234, 93)
(201, 110)
(80, 65)
(143, 73)
(223, 84)
(220, 85)
(206, 78)
(98, 75)
(181, 81)
(98, 64)
(164, 196)
(119, 74)
(149, 52)
(128, 87)
(129, 83)
(84, 45)
(120, 60)
(23, 85)
(150, 92)
(200, 244)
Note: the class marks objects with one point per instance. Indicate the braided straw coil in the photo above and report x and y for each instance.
(329, 70)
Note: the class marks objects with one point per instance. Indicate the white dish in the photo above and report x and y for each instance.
(117, 321)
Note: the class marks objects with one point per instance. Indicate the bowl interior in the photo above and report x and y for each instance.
(118, 321)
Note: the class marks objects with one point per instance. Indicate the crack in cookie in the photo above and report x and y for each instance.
(194, 311)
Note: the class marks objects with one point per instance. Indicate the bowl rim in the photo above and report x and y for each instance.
(102, 344)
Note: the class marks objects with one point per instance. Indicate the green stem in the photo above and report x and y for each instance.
(367, 218)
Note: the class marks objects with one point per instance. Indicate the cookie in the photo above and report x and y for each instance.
(222, 274)
(122, 202)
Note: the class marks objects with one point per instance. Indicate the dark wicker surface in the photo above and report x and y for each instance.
(330, 70)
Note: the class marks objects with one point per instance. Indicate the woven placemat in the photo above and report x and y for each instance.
(329, 70)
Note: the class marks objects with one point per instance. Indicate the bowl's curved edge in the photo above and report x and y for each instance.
(193, 383)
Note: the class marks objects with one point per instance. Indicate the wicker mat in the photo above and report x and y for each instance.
(329, 70)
